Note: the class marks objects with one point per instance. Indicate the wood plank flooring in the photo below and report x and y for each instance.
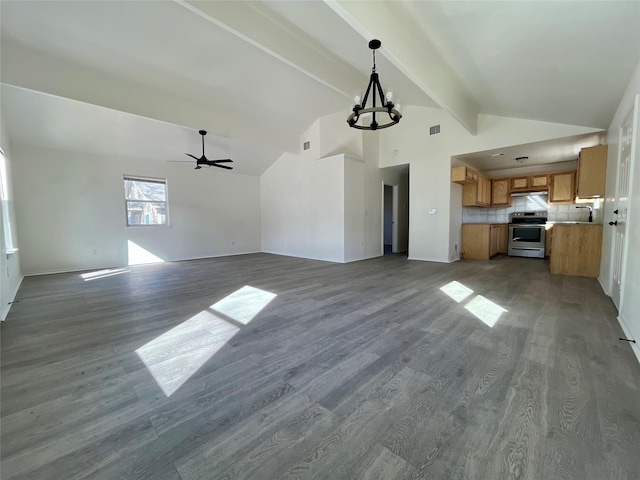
(359, 371)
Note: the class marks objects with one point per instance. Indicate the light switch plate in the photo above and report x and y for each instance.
(432, 211)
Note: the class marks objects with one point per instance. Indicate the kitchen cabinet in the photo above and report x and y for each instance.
(519, 184)
(592, 171)
(481, 241)
(562, 187)
(548, 240)
(463, 175)
(539, 182)
(529, 183)
(477, 194)
(500, 194)
(576, 249)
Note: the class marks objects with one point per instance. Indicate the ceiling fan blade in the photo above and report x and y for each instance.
(180, 161)
(192, 156)
(222, 166)
(224, 160)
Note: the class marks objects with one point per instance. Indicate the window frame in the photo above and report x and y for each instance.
(139, 178)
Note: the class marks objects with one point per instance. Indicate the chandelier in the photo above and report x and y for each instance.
(386, 106)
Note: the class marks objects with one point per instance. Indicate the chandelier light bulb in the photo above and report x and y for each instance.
(356, 99)
(389, 96)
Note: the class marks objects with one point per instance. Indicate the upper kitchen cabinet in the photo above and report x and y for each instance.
(476, 188)
(529, 183)
(539, 182)
(500, 194)
(562, 187)
(519, 184)
(477, 194)
(592, 171)
(463, 175)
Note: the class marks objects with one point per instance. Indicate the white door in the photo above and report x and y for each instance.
(621, 203)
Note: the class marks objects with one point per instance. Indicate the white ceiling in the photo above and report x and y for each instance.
(140, 78)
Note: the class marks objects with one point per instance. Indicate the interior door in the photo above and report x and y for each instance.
(619, 222)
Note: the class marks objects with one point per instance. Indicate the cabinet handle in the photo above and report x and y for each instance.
(614, 223)
(615, 211)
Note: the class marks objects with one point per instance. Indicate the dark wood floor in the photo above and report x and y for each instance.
(359, 371)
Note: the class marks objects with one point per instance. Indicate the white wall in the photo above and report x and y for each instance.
(432, 237)
(336, 138)
(10, 272)
(327, 208)
(629, 314)
(71, 214)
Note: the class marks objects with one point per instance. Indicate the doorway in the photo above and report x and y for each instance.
(390, 219)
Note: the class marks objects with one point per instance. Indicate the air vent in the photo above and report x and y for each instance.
(435, 129)
(306, 145)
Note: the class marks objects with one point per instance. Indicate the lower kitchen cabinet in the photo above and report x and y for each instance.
(576, 249)
(481, 241)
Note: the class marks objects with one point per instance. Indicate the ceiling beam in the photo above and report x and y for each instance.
(262, 28)
(413, 54)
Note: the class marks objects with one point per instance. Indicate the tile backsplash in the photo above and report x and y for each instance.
(557, 213)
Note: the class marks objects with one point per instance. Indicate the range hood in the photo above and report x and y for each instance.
(530, 194)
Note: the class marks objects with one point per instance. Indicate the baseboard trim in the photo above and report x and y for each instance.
(436, 260)
(605, 290)
(634, 346)
(5, 309)
(104, 267)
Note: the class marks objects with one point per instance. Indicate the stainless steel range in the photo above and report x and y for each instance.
(527, 234)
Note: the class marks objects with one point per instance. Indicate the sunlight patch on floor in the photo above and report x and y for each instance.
(485, 310)
(173, 357)
(243, 304)
(456, 291)
(138, 255)
(108, 272)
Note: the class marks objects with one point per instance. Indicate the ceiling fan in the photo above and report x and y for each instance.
(203, 160)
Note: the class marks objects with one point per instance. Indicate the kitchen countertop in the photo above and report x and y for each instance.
(573, 223)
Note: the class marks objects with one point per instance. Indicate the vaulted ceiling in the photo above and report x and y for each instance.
(141, 78)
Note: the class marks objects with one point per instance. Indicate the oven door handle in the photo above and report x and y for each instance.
(516, 239)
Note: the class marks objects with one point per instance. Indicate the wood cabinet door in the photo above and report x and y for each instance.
(503, 238)
(519, 183)
(562, 188)
(500, 195)
(493, 240)
(592, 171)
(470, 195)
(539, 182)
(487, 192)
(475, 241)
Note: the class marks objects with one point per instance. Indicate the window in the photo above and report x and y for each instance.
(6, 211)
(146, 201)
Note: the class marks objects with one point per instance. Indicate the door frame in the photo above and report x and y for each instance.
(632, 115)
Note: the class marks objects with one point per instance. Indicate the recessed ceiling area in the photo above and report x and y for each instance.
(551, 155)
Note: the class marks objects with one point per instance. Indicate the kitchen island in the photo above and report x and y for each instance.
(576, 249)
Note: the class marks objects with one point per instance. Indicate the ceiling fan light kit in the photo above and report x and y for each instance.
(386, 106)
(203, 160)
